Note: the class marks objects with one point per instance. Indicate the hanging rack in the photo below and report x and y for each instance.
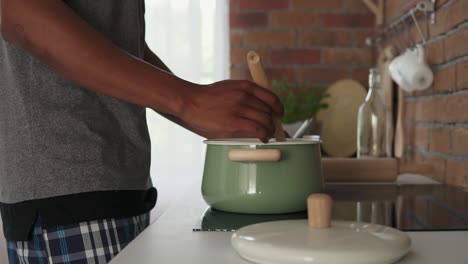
(424, 6)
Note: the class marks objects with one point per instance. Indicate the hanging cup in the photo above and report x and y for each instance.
(410, 70)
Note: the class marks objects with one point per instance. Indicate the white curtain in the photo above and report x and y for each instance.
(191, 37)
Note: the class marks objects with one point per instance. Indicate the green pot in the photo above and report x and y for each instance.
(247, 176)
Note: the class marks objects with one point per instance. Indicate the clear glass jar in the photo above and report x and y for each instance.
(372, 121)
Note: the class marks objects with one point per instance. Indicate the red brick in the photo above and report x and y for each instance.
(457, 173)
(348, 56)
(460, 142)
(316, 4)
(410, 108)
(321, 75)
(359, 37)
(456, 44)
(325, 38)
(237, 73)
(248, 20)
(281, 73)
(436, 109)
(439, 166)
(408, 140)
(455, 109)
(348, 20)
(440, 140)
(419, 158)
(449, 16)
(462, 75)
(427, 91)
(421, 137)
(361, 75)
(293, 19)
(420, 112)
(271, 38)
(354, 5)
(428, 109)
(435, 52)
(233, 6)
(263, 4)
(295, 56)
(236, 38)
(439, 3)
(393, 9)
(444, 79)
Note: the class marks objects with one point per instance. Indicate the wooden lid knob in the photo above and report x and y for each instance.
(319, 210)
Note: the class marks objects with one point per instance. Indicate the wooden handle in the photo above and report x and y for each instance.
(319, 207)
(260, 78)
(377, 9)
(399, 130)
(252, 155)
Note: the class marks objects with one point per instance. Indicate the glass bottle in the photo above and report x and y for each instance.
(372, 121)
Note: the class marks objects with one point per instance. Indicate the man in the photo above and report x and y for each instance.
(75, 78)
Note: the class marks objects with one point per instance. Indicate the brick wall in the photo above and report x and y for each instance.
(437, 118)
(313, 41)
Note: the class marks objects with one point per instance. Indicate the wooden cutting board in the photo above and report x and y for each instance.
(339, 122)
(360, 170)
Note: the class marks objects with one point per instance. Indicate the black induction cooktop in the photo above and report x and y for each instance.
(405, 207)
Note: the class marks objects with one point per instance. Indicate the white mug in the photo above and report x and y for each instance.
(410, 70)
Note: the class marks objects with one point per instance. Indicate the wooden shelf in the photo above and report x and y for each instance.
(360, 170)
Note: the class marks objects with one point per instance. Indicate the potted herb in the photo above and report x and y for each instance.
(300, 102)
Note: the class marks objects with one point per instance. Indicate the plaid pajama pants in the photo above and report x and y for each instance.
(84, 243)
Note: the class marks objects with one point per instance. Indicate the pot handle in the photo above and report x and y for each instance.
(245, 155)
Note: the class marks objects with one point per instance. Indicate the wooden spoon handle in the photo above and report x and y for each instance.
(260, 78)
(399, 131)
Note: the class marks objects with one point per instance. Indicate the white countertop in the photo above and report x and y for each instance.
(170, 239)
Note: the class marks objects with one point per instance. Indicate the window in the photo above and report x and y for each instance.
(191, 37)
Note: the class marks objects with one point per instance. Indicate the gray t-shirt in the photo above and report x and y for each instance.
(57, 138)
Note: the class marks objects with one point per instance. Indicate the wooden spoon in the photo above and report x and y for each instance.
(260, 78)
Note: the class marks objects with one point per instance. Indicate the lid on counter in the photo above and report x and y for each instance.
(320, 241)
(254, 141)
(294, 242)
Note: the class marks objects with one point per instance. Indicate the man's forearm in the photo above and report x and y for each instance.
(55, 34)
(154, 60)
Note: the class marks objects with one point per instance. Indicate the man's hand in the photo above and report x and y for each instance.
(232, 109)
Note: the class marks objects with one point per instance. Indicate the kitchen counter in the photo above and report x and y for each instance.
(170, 239)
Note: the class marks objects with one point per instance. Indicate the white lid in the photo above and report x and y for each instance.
(255, 141)
(294, 241)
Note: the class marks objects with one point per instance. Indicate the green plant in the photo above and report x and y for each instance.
(300, 102)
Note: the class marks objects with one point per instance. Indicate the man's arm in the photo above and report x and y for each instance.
(154, 60)
(52, 32)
